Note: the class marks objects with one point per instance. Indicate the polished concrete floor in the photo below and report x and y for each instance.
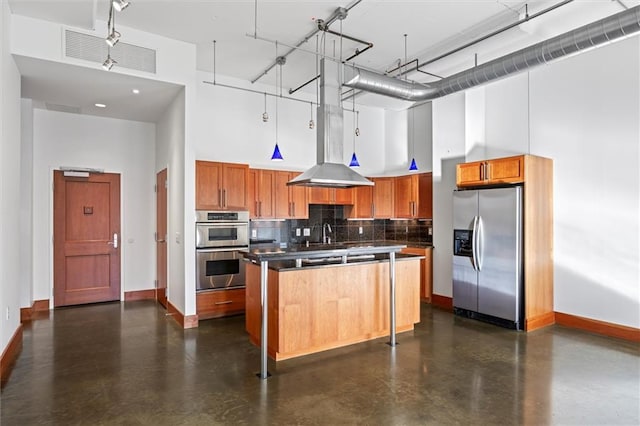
(129, 364)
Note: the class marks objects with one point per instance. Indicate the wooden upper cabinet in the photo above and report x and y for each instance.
(221, 186)
(413, 196)
(491, 172)
(383, 197)
(262, 190)
(374, 201)
(363, 203)
(290, 201)
(339, 196)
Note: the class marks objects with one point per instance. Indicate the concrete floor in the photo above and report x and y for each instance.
(129, 364)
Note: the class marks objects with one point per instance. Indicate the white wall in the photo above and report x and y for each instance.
(171, 140)
(26, 203)
(448, 150)
(419, 136)
(584, 113)
(117, 146)
(9, 185)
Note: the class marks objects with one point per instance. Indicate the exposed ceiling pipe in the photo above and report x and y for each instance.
(606, 30)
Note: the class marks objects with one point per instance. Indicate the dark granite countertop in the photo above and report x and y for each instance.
(332, 253)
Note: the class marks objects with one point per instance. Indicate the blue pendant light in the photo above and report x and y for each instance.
(276, 156)
(354, 161)
(356, 132)
(413, 167)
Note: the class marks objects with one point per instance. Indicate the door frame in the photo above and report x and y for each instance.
(51, 228)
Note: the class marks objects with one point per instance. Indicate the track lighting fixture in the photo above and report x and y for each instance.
(265, 114)
(312, 124)
(120, 5)
(113, 38)
(108, 63)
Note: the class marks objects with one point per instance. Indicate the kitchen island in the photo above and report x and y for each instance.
(325, 297)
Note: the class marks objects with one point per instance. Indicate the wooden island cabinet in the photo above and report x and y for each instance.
(312, 309)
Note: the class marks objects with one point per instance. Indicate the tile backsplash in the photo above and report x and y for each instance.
(342, 230)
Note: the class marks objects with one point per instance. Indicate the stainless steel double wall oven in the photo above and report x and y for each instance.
(220, 235)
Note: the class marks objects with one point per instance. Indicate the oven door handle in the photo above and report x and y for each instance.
(219, 249)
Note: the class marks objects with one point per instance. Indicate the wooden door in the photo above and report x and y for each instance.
(235, 181)
(208, 185)
(87, 239)
(383, 198)
(161, 237)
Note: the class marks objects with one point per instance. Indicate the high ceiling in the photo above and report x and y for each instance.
(432, 27)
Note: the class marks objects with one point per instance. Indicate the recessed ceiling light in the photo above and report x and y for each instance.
(135, 91)
(101, 105)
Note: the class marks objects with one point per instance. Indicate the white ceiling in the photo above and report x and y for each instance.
(432, 27)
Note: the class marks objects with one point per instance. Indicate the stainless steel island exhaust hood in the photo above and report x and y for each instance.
(329, 170)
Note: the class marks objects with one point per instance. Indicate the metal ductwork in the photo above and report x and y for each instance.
(330, 170)
(606, 30)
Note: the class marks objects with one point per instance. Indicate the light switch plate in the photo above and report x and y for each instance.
(306, 231)
(254, 233)
(297, 232)
(360, 230)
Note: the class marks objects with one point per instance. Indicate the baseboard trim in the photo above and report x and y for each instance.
(190, 321)
(10, 355)
(442, 302)
(598, 327)
(36, 309)
(130, 296)
(540, 321)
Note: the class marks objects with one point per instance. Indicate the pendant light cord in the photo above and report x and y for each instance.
(214, 62)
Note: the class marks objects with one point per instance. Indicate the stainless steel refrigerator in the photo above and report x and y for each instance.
(487, 255)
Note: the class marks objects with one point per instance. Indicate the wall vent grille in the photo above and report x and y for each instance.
(94, 49)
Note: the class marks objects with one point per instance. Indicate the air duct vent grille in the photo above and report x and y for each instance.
(94, 49)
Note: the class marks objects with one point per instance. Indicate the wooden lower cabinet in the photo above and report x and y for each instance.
(315, 309)
(220, 303)
(426, 270)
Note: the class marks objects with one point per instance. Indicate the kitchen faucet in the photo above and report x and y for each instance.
(326, 228)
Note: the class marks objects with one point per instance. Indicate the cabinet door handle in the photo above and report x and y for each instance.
(293, 209)
(220, 198)
(224, 198)
(226, 302)
(481, 171)
(257, 208)
(487, 171)
(373, 210)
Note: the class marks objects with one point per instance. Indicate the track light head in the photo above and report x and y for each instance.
(113, 38)
(120, 5)
(108, 63)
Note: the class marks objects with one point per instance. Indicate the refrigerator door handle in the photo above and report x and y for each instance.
(474, 244)
(479, 242)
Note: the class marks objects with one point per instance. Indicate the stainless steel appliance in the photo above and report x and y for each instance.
(220, 235)
(487, 255)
